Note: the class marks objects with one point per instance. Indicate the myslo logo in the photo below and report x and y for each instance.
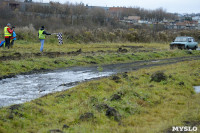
(184, 128)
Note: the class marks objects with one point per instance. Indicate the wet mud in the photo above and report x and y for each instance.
(19, 56)
(23, 88)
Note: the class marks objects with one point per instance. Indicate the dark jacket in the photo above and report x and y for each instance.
(44, 32)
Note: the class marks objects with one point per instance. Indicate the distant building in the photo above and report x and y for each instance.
(132, 19)
(91, 7)
(21, 6)
(143, 22)
(182, 25)
(196, 18)
(116, 11)
(11, 4)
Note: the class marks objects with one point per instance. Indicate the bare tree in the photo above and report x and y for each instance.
(98, 15)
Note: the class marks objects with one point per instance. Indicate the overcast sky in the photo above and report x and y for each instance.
(173, 6)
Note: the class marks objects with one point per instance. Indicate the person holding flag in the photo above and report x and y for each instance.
(41, 35)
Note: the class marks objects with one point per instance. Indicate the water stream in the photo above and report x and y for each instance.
(23, 88)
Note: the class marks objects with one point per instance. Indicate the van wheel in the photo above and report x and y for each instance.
(171, 47)
(182, 47)
(194, 48)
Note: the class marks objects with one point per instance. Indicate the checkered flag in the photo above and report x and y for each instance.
(59, 35)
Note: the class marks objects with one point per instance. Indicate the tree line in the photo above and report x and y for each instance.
(66, 15)
(84, 24)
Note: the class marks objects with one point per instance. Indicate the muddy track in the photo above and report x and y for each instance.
(133, 66)
(22, 56)
(123, 66)
(149, 63)
(23, 88)
(19, 56)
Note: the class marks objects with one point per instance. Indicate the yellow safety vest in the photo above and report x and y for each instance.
(41, 36)
(6, 33)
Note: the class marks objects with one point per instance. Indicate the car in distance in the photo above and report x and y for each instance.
(184, 42)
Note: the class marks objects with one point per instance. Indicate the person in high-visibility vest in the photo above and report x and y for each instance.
(41, 34)
(7, 34)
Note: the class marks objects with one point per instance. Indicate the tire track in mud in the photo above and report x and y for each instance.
(36, 85)
(133, 66)
(150, 63)
(122, 67)
(7, 56)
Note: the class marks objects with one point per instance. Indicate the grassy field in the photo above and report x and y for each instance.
(128, 102)
(25, 56)
(134, 102)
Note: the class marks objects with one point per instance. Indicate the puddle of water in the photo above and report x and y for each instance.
(24, 88)
(156, 61)
(197, 89)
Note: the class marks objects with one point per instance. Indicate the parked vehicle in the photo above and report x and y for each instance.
(184, 42)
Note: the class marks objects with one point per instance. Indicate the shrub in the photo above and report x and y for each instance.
(27, 33)
(85, 35)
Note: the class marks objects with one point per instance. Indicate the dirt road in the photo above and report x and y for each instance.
(23, 88)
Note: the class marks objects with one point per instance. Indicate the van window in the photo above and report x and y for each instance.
(190, 40)
(181, 39)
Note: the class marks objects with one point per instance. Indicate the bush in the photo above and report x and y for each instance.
(85, 35)
(27, 33)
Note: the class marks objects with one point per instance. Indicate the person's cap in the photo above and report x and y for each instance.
(42, 27)
(13, 26)
(8, 24)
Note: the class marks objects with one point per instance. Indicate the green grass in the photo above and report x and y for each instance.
(144, 106)
(103, 53)
(30, 47)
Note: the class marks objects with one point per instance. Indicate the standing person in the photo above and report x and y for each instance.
(13, 38)
(41, 35)
(7, 34)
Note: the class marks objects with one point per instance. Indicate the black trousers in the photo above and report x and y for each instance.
(7, 41)
(12, 43)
